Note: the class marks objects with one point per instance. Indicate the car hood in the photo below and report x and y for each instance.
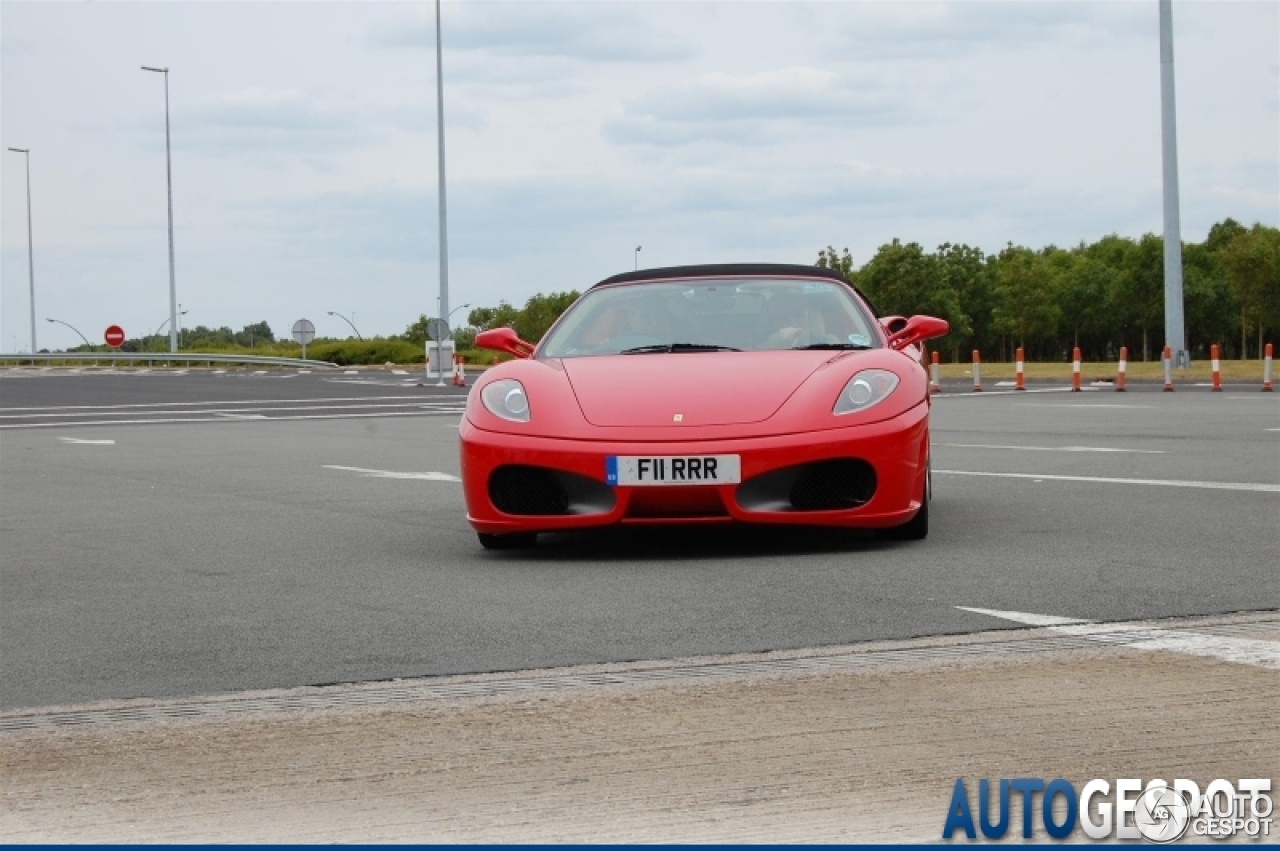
(688, 388)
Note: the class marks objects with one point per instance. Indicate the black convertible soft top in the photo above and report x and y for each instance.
(723, 270)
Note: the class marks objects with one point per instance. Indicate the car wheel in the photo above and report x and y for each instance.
(518, 541)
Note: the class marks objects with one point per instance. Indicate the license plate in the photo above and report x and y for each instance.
(673, 470)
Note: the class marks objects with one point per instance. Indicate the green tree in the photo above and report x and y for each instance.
(842, 263)
(1252, 264)
(1024, 295)
(540, 311)
(1138, 295)
(1082, 285)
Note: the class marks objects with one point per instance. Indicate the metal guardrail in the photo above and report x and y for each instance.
(153, 358)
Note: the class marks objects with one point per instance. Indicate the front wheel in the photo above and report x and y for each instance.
(517, 541)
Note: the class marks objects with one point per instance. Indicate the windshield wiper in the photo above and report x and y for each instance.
(859, 347)
(677, 347)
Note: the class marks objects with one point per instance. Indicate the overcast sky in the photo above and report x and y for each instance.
(304, 152)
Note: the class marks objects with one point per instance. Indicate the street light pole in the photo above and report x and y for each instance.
(444, 231)
(168, 171)
(349, 322)
(31, 262)
(455, 310)
(73, 328)
(637, 266)
(1174, 325)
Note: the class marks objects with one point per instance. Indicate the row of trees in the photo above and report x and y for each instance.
(1098, 296)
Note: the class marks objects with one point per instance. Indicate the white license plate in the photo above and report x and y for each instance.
(673, 470)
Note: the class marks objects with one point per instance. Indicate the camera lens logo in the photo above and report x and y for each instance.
(1162, 814)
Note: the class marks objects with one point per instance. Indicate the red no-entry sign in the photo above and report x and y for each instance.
(114, 336)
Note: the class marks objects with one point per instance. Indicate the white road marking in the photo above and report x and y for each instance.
(1244, 651)
(350, 372)
(399, 372)
(1257, 487)
(1069, 405)
(238, 416)
(319, 407)
(169, 420)
(1052, 448)
(968, 394)
(138, 405)
(78, 440)
(388, 474)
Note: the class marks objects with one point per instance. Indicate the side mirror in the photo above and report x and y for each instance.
(504, 340)
(918, 329)
(893, 324)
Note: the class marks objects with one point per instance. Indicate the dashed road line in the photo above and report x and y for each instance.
(1257, 487)
(389, 474)
(85, 442)
(1051, 448)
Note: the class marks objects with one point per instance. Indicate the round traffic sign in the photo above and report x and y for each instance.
(114, 336)
(303, 331)
(438, 329)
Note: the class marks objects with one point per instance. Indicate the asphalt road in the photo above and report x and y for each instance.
(237, 531)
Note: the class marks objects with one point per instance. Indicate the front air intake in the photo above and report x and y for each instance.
(517, 489)
(833, 485)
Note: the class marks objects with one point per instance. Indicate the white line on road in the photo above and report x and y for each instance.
(1244, 651)
(238, 416)
(319, 406)
(966, 394)
(169, 420)
(1076, 405)
(77, 440)
(1257, 487)
(138, 405)
(388, 474)
(1051, 448)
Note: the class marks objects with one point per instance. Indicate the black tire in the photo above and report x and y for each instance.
(917, 528)
(517, 541)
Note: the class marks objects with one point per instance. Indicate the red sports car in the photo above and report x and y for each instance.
(749, 393)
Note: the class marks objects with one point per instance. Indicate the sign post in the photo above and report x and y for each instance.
(304, 332)
(441, 339)
(114, 336)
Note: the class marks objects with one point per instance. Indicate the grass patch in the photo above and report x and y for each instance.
(1233, 370)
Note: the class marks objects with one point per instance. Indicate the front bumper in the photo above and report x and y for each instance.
(896, 449)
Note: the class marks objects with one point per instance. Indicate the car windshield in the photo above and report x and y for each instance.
(749, 314)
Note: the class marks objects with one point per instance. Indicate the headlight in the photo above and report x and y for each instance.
(506, 398)
(867, 388)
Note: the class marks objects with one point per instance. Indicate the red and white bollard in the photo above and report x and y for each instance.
(459, 371)
(1124, 365)
(977, 372)
(1266, 370)
(934, 386)
(1217, 368)
(1075, 370)
(1019, 382)
(1168, 369)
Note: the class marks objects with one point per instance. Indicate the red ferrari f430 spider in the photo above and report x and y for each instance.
(740, 393)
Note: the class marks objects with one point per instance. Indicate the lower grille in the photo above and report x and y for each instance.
(833, 485)
(517, 489)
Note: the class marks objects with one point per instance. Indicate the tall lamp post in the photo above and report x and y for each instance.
(1174, 326)
(168, 171)
(349, 322)
(31, 263)
(444, 231)
(638, 247)
(73, 328)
